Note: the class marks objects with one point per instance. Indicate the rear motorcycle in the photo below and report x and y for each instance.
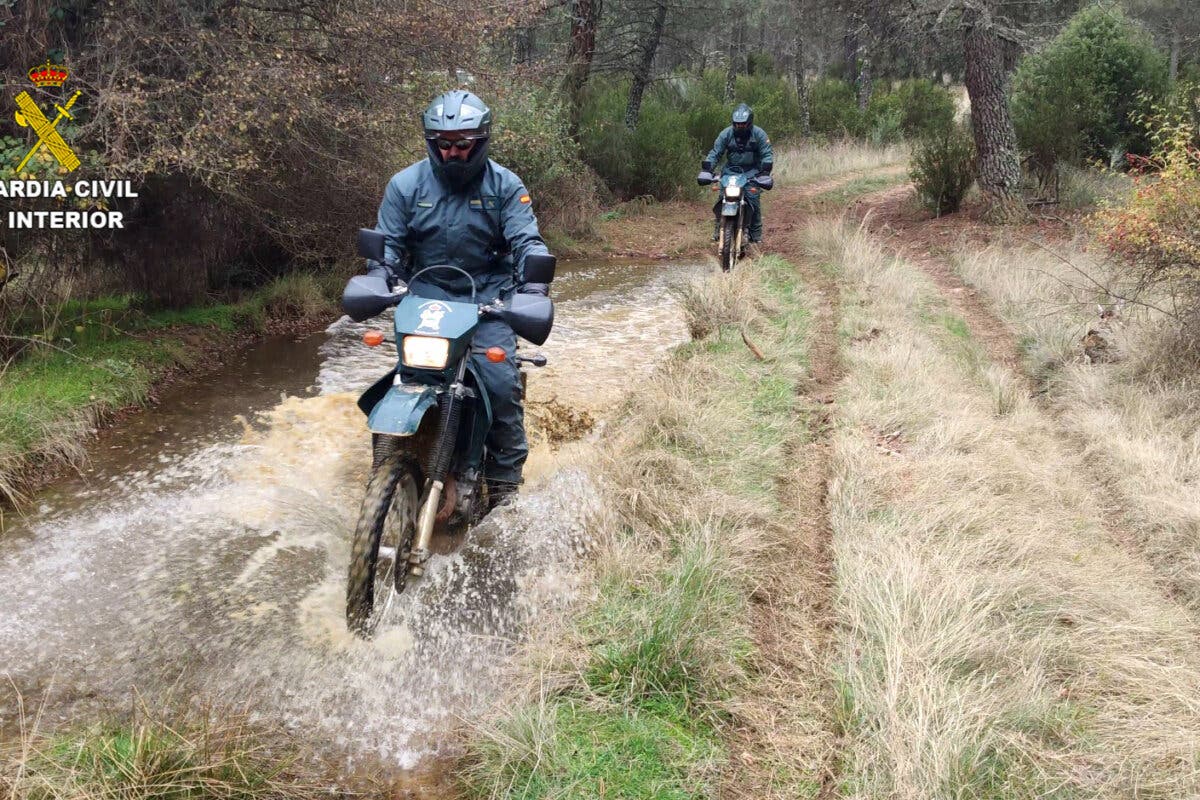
(734, 210)
(429, 418)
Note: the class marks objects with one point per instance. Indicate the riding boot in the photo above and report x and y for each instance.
(716, 229)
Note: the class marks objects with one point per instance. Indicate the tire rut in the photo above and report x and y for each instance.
(793, 619)
(877, 212)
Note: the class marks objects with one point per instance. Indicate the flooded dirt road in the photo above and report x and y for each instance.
(203, 553)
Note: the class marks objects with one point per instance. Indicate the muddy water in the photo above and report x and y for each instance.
(202, 555)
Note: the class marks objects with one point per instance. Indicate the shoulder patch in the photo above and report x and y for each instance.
(526, 199)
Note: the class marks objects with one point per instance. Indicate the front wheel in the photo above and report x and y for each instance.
(728, 243)
(382, 542)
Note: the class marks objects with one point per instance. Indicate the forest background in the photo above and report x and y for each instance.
(259, 136)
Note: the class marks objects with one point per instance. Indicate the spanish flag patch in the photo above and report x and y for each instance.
(526, 199)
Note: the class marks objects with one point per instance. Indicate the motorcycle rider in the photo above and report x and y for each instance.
(748, 151)
(459, 207)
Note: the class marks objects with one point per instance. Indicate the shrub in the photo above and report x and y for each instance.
(530, 138)
(680, 118)
(943, 168)
(659, 158)
(1157, 234)
(834, 109)
(925, 107)
(1073, 100)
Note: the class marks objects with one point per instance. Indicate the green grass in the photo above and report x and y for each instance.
(666, 643)
(575, 752)
(93, 357)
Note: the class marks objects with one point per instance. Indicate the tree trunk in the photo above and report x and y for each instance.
(585, 15)
(850, 50)
(863, 85)
(997, 165)
(735, 53)
(1176, 44)
(802, 95)
(641, 77)
(523, 45)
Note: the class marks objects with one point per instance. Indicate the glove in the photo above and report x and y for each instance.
(534, 288)
(706, 166)
(765, 169)
(380, 270)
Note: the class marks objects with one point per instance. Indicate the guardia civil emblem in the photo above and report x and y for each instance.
(29, 115)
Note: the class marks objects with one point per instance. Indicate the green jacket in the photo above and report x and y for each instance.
(742, 157)
(487, 229)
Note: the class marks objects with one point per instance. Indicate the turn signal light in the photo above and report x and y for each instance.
(373, 338)
(496, 354)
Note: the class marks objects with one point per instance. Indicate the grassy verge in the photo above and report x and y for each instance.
(104, 355)
(641, 698)
(1136, 419)
(152, 758)
(992, 643)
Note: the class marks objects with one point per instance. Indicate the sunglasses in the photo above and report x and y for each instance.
(460, 145)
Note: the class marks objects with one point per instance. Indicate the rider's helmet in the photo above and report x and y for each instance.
(743, 121)
(458, 115)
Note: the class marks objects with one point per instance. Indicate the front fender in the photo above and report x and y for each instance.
(729, 209)
(400, 411)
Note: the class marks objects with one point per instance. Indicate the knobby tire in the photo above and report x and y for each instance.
(728, 245)
(389, 473)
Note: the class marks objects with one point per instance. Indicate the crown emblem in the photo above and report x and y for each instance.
(49, 74)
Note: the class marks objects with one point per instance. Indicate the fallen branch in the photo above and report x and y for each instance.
(753, 348)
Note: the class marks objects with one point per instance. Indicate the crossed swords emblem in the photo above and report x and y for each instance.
(30, 116)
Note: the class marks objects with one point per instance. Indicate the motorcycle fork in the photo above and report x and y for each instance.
(442, 454)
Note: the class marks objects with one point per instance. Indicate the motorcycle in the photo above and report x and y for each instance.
(735, 211)
(429, 418)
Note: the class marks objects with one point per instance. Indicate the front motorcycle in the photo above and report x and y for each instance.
(734, 211)
(429, 418)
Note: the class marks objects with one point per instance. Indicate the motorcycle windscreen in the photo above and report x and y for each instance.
(729, 210)
(531, 316)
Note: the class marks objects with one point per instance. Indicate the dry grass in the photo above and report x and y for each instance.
(807, 163)
(1137, 429)
(993, 644)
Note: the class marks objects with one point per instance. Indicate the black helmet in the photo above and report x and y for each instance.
(458, 112)
(743, 121)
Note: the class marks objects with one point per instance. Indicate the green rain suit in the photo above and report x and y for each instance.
(749, 156)
(485, 226)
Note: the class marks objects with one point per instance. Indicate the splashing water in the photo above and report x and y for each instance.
(204, 556)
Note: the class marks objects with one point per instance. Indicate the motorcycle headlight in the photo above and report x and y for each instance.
(733, 191)
(429, 352)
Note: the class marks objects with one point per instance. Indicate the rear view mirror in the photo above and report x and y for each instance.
(539, 269)
(370, 244)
